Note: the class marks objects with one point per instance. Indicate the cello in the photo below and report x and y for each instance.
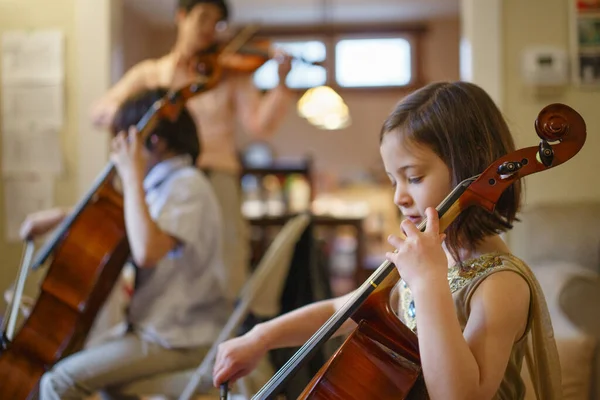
(380, 358)
(89, 249)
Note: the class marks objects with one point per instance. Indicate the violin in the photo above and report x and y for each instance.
(380, 358)
(89, 250)
(242, 54)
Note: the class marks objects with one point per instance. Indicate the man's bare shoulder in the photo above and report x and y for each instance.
(151, 64)
(153, 71)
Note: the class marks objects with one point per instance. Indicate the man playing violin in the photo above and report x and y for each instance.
(172, 222)
(215, 112)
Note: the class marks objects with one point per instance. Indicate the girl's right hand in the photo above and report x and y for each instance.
(41, 222)
(237, 357)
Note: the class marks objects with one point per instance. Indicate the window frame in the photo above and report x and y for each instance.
(332, 34)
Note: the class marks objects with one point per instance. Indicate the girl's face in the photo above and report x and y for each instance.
(420, 178)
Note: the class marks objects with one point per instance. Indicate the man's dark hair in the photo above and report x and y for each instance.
(188, 5)
(180, 136)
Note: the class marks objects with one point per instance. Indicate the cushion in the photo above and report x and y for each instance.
(580, 302)
(576, 355)
(566, 286)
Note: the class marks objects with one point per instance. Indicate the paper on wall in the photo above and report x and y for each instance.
(22, 196)
(24, 103)
(31, 148)
(33, 57)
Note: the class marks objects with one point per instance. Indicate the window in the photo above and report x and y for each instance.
(373, 62)
(361, 57)
(303, 75)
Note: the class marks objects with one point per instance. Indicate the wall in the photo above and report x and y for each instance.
(39, 14)
(545, 22)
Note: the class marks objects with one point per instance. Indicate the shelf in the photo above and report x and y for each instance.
(280, 167)
(316, 219)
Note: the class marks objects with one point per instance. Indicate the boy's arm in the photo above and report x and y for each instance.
(42, 222)
(148, 243)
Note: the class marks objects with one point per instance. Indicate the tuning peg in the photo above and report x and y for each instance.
(509, 168)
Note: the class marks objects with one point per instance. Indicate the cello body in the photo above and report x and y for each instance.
(86, 264)
(379, 360)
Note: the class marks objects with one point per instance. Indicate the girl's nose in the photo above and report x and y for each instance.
(401, 197)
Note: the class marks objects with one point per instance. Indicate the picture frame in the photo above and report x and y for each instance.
(585, 42)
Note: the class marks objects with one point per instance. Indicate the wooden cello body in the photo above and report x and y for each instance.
(380, 358)
(84, 269)
(88, 252)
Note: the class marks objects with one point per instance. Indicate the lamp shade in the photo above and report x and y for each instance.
(324, 108)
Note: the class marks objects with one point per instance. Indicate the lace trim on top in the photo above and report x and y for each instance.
(458, 278)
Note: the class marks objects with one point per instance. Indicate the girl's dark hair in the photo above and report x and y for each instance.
(462, 125)
(180, 136)
(188, 5)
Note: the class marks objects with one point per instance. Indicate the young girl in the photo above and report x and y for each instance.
(476, 308)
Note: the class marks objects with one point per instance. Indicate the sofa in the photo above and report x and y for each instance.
(561, 244)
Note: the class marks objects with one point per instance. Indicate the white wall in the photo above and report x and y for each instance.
(546, 22)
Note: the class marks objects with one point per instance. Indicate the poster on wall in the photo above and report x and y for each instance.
(586, 42)
(32, 112)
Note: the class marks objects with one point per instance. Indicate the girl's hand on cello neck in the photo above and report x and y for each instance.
(420, 258)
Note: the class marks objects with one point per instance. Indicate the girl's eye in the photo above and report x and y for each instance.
(415, 179)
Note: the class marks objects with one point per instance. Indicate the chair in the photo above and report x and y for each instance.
(261, 294)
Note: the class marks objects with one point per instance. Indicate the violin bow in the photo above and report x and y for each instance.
(240, 39)
(562, 132)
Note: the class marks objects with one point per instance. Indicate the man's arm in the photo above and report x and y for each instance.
(260, 115)
(132, 82)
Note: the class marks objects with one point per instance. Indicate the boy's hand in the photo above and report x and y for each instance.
(127, 155)
(41, 222)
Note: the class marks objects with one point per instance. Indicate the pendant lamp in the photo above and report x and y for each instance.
(321, 105)
(324, 108)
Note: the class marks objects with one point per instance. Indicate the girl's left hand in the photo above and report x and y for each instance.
(420, 257)
(127, 155)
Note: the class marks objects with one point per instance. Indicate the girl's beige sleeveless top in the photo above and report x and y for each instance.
(537, 345)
